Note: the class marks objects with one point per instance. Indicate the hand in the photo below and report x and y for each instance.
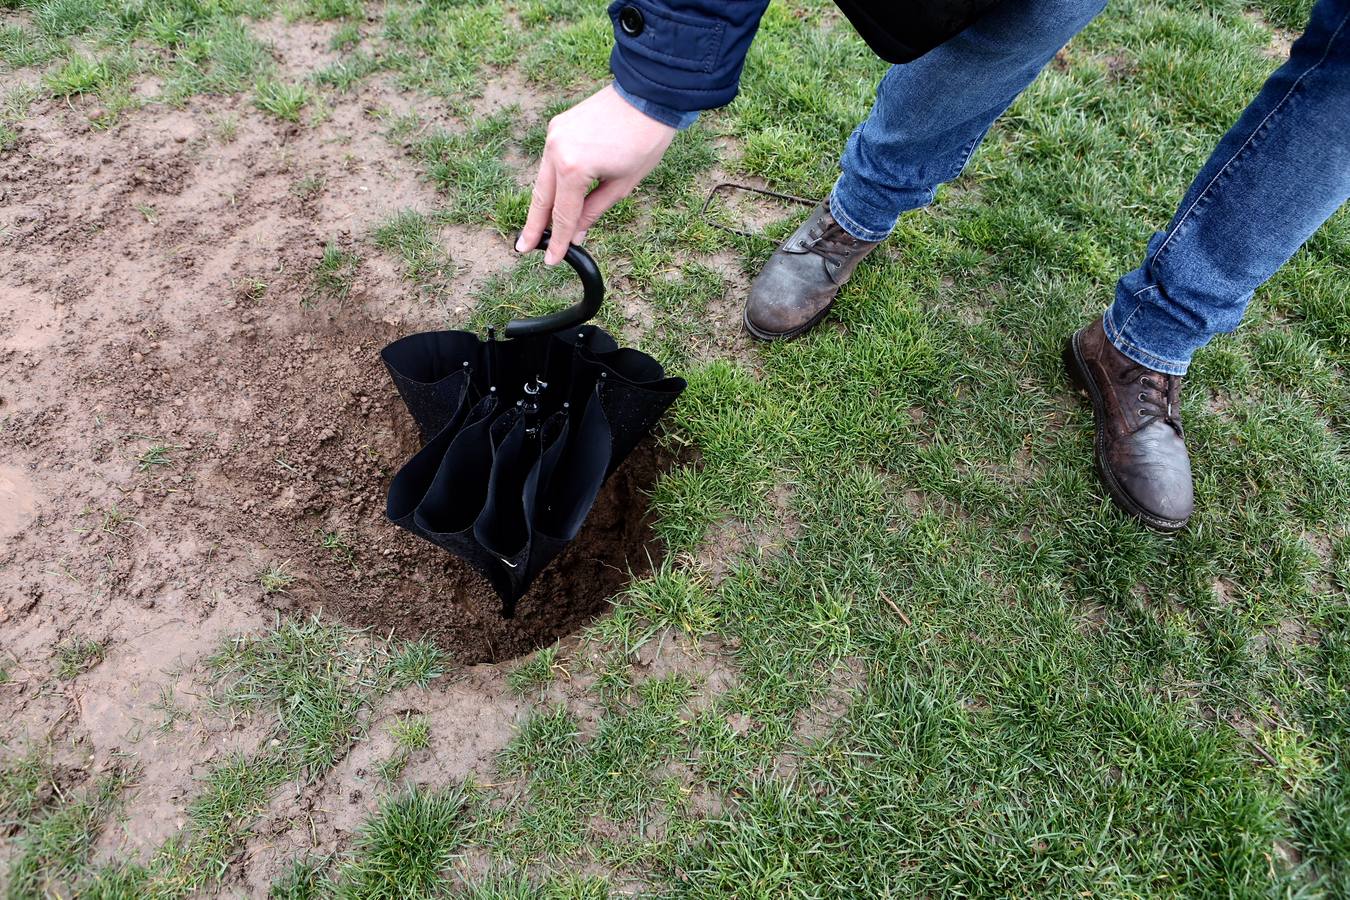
(602, 139)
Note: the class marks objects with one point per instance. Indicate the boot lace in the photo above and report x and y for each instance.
(1158, 397)
(830, 242)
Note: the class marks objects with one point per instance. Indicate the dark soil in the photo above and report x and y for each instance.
(457, 609)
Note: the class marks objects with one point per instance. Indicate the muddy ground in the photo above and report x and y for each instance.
(179, 414)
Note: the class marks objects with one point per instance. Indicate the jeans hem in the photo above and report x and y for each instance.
(1131, 349)
(850, 224)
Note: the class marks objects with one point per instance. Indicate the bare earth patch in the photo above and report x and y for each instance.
(194, 439)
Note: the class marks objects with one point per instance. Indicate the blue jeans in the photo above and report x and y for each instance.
(1277, 175)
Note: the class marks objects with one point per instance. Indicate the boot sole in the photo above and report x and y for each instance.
(769, 336)
(1078, 372)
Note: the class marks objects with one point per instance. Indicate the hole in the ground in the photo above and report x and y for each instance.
(458, 610)
(302, 476)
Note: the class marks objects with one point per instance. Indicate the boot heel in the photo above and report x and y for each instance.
(1071, 365)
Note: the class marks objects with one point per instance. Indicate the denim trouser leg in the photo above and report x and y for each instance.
(1277, 175)
(931, 113)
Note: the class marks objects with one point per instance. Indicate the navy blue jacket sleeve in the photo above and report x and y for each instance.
(682, 55)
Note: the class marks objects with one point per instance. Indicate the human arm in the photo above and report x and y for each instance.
(671, 59)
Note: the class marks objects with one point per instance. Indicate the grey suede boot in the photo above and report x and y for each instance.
(802, 278)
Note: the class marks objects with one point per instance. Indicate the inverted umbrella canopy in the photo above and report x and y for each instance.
(519, 435)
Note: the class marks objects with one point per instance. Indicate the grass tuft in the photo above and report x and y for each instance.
(411, 732)
(155, 457)
(339, 544)
(332, 280)
(79, 75)
(331, 10)
(26, 785)
(417, 241)
(276, 578)
(416, 663)
(285, 101)
(314, 678)
(305, 880)
(77, 655)
(53, 851)
(405, 850)
(535, 673)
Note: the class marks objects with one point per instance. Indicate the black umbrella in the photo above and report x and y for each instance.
(519, 435)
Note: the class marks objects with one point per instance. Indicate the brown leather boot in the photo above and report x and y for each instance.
(802, 278)
(1141, 448)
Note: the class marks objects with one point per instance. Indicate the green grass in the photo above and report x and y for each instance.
(346, 37)
(232, 794)
(945, 665)
(304, 881)
(329, 10)
(214, 55)
(333, 278)
(347, 72)
(442, 49)
(311, 682)
(339, 544)
(1047, 685)
(22, 47)
(309, 187)
(275, 578)
(285, 101)
(521, 887)
(79, 75)
(535, 673)
(77, 655)
(251, 289)
(226, 129)
(13, 109)
(26, 784)
(169, 708)
(9, 136)
(311, 677)
(156, 456)
(107, 77)
(1287, 14)
(54, 849)
(411, 734)
(68, 18)
(468, 167)
(404, 851)
(414, 237)
(416, 662)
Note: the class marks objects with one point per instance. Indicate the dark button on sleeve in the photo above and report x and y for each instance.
(631, 21)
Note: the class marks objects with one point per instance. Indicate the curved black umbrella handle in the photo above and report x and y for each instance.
(593, 295)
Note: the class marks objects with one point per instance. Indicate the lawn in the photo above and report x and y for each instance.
(902, 644)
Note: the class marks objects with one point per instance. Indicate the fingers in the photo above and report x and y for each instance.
(541, 206)
(567, 205)
(598, 202)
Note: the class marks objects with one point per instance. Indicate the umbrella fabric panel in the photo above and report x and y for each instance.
(520, 436)
(454, 497)
(564, 492)
(432, 372)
